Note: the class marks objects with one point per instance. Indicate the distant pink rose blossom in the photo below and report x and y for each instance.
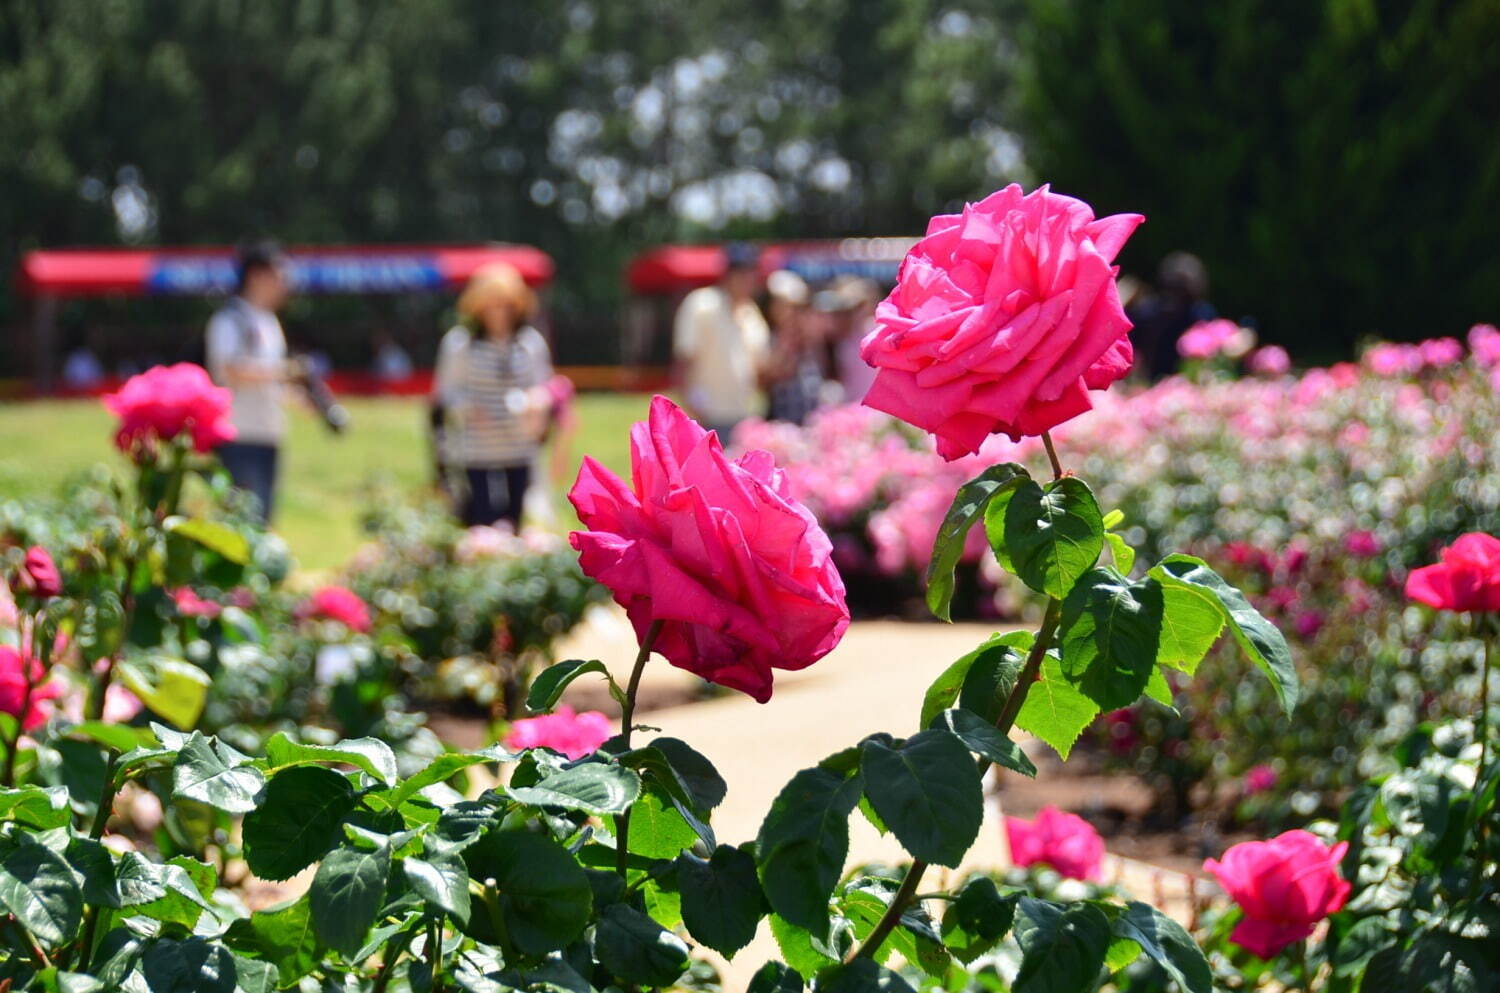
(1362, 544)
(1065, 841)
(1484, 345)
(739, 574)
(38, 574)
(1440, 352)
(1466, 578)
(190, 604)
(336, 603)
(1284, 887)
(1259, 779)
(1207, 339)
(1270, 360)
(1308, 623)
(1393, 359)
(574, 735)
(32, 709)
(1003, 318)
(242, 597)
(166, 401)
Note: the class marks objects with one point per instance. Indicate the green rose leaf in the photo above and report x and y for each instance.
(282, 936)
(172, 688)
(547, 688)
(297, 822)
(799, 949)
(803, 843)
(346, 895)
(116, 737)
(368, 754)
(773, 977)
(441, 880)
(1168, 943)
(192, 966)
(968, 508)
(533, 891)
(443, 768)
(722, 900)
(38, 887)
(862, 976)
(1123, 554)
(993, 665)
(215, 775)
(1063, 946)
(657, 829)
(1257, 637)
(984, 739)
(1191, 622)
(976, 921)
(1110, 634)
(1053, 534)
(694, 772)
(34, 807)
(637, 949)
(928, 792)
(254, 976)
(594, 787)
(187, 884)
(1055, 710)
(219, 538)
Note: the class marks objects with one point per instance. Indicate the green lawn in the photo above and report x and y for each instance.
(326, 478)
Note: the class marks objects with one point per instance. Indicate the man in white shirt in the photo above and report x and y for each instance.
(720, 342)
(246, 351)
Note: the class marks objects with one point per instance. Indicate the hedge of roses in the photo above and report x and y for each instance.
(1315, 493)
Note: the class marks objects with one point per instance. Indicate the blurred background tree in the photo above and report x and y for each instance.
(1336, 163)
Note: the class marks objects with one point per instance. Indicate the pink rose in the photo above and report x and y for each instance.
(166, 401)
(1065, 841)
(573, 735)
(739, 573)
(1484, 344)
(335, 603)
(1362, 544)
(1439, 352)
(1466, 579)
(1284, 887)
(1259, 779)
(1272, 360)
(1206, 339)
(190, 604)
(38, 574)
(1391, 359)
(15, 673)
(1002, 320)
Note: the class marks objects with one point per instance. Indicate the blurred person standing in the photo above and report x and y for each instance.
(793, 372)
(720, 343)
(490, 398)
(391, 363)
(246, 352)
(856, 299)
(1180, 301)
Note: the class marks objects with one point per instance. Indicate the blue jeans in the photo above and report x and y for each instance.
(253, 467)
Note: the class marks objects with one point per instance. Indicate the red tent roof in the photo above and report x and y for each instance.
(678, 268)
(75, 272)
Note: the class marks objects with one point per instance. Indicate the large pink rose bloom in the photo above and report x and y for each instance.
(1065, 841)
(1003, 318)
(1466, 578)
(738, 572)
(168, 400)
(1284, 887)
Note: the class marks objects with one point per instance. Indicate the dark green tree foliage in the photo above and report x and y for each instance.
(590, 129)
(1335, 163)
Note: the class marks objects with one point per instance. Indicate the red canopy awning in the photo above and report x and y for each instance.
(679, 268)
(349, 269)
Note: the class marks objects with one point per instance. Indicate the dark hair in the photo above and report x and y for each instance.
(741, 255)
(255, 255)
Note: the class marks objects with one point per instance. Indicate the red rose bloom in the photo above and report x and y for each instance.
(1466, 579)
(38, 574)
(15, 672)
(335, 603)
(1284, 886)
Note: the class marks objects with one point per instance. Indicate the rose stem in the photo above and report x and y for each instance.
(1057, 469)
(627, 719)
(1003, 724)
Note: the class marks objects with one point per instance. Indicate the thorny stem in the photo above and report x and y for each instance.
(1003, 724)
(627, 720)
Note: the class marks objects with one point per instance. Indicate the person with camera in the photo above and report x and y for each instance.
(491, 403)
(246, 352)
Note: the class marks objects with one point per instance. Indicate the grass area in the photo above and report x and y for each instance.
(326, 479)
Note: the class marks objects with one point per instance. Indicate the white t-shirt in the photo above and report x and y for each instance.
(483, 385)
(721, 347)
(242, 334)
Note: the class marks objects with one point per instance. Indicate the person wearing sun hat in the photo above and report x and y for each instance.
(490, 396)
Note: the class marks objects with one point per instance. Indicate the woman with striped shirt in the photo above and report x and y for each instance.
(490, 385)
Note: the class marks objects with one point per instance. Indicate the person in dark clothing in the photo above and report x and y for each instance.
(1160, 318)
